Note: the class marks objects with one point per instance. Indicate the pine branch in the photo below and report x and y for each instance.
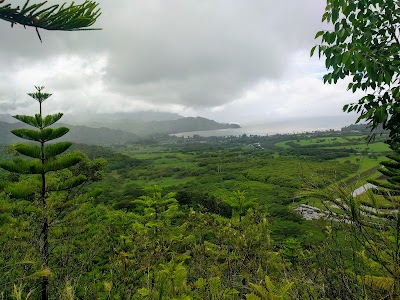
(56, 17)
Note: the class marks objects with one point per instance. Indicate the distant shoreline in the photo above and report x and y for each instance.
(256, 130)
(293, 126)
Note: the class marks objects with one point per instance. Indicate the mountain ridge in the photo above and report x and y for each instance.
(120, 132)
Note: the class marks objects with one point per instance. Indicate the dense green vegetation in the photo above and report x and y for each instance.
(203, 218)
(211, 218)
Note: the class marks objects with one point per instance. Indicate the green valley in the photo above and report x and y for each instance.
(203, 218)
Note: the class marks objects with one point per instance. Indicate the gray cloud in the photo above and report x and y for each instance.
(8, 103)
(180, 52)
(205, 53)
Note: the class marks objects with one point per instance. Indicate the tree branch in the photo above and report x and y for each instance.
(56, 17)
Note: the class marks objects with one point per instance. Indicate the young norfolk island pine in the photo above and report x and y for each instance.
(44, 158)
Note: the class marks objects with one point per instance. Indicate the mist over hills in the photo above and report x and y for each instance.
(105, 129)
(7, 118)
(110, 119)
(76, 134)
(147, 123)
(170, 126)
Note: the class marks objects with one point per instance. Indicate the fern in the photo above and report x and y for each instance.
(270, 291)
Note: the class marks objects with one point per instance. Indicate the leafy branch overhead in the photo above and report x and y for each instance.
(62, 17)
(363, 46)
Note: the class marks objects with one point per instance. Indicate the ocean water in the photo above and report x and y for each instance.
(283, 127)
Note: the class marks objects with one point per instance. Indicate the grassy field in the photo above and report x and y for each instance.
(367, 159)
(273, 179)
(368, 156)
(364, 162)
(370, 148)
(358, 143)
(323, 141)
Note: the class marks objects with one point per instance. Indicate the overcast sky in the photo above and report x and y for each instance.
(229, 60)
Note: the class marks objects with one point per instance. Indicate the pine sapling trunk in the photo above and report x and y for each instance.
(45, 231)
(45, 228)
(396, 287)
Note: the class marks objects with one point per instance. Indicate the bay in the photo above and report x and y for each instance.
(283, 127)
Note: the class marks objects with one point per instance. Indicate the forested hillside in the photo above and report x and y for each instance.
(205, 218)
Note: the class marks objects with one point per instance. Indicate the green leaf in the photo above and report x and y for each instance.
(388, 78)
(21, 166)
(62, 162)
(36, 152)
(56, 149)
(285, 289)
(143, 292)
(346, 56)
(319, 33)
(49, 134)
(43, 273)
(27, 120)
(43, 135)
(335, 15)
(66, 184)
(312, 50)
(22, 189)
(261, 290)
(268, 283)
(51, 119)
(252, 296)
(29, 150)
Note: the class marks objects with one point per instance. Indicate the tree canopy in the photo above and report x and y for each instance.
(63, 17)
(363, 45)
